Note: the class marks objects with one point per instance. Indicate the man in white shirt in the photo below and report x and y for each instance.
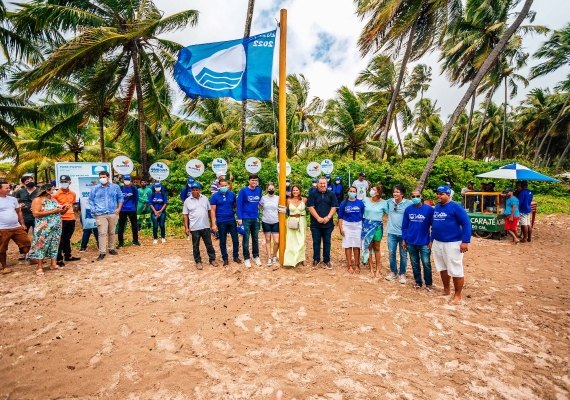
(362, 186)
(12, 226)
(196, 212)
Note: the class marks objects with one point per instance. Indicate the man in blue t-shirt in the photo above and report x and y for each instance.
(396, 207)
(525, 199)
(248, 216)
(129, 210)
(450, 238)
(416, 227)
(223, 205)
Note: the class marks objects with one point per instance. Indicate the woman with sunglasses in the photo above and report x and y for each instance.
(372, 228)
(396, 207)
(350, 214)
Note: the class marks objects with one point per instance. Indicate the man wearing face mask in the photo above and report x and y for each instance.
(105, 201)
(143, 207)
(313, 188)
(416, 226)
(338, 189)
(129, 210)
(66, 197)
(187, 190)
(223, 206)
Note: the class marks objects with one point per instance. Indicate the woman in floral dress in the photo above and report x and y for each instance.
(47, 232)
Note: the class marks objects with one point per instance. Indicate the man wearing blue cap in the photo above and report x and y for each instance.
(196, 212)
(129, 210)
(451, 235)
(338, 189)
(187, 190)
(313, 188)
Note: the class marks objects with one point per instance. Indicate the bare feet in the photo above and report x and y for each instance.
(445, 292)
(6, 271)
(40, 272)
(350, 270)
(456, 301)
(52, 267)
(357, 269)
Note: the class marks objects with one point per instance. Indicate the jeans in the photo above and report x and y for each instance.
(132, 216)
(423, 252)
(64, 249)
(206, 235)
(393, 242)
(324, 235)
(158, 222)
(86, 235)
(223, 229)
(251, 229)
(106, 226)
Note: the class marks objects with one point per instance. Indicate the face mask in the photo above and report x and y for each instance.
(314, 185)
(65, 185)
(189, 185)
(288, 184)
(372, 193)
(271, 191)
(31, 184)
(337, 182)
(223, 189)
(416, 200)
(352, 195)
(127, 183)
(52, 192)
(157, 189)
(103, 181)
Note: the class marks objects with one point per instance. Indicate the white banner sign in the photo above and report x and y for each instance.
(314, 169)
(159, 171)
(253, 165)
(195, 168)
(219, 166)
(327, 166)
(123, 165)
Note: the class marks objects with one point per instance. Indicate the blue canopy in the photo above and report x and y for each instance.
(518, 172)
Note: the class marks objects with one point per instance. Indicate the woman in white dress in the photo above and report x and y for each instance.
(350, 213)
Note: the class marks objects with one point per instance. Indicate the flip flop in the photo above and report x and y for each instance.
(56, 267)
(40, 272)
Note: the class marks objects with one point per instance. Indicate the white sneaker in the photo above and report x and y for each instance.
(155, 241)
(403, 279)
(390, 277)
(163, 240)
(247, 263)
(269, 262)
(257, 261)
(275, 261)
(188, 237)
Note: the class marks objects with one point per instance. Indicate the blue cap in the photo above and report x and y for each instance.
(314, 180)
(190, 180)
(443, 189)
(338, 178)
(327, 175)
(196, 185)
(157, 184)
(126, 177)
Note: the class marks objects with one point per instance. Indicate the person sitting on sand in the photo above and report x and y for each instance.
(451, 235)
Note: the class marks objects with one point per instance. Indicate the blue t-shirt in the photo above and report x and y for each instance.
(248, 203)
(451, 223)
(351, 211)
(185, 193)
(374, 211)
(525, 198)
(396, 214)
(157, 199)
(416, 224)
(338, 191)
(225, 204)
(512, 201)
(130, 198)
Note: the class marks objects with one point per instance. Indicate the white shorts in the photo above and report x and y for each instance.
(524, 219)
(352, 231)
(448, 257)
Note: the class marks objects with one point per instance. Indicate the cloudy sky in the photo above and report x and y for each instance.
(322, 36)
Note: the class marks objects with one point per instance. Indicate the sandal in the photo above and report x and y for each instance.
(416, 286)
(54, 268)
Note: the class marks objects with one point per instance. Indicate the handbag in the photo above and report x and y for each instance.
(293, 223)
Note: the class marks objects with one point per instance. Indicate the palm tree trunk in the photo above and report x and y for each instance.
(550, 128)
(246, 33)
(140, 108)
(398, 136)
(483, 120)
(504, 122)
(489, 61)
(563, 156)
(396, 92)
(353, 154)
(102, 137)
(75, 156)
(546, 161)
(468, 126)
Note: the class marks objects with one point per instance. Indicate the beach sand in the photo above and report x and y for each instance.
(147, 325)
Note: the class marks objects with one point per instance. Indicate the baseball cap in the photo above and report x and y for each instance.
(65, 178)
(126, 177)
(337, 178)
(471, 182)
(362, 174)
(507, 190)
(327, 175)
(196, 185)
(190, 180)
(157, 184)
(443, 189)
(314, 180)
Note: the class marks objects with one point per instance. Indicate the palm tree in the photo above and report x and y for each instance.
(485, 67)
(14, 111)
(419, 81)
(14, 46)
(426, 128)
(124, 33)
(392, 23)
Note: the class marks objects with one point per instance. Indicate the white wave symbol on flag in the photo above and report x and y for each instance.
(222, 70)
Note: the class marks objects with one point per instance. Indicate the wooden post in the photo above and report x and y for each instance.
(282, 148)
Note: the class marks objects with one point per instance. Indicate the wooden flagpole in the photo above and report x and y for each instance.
(282, 148)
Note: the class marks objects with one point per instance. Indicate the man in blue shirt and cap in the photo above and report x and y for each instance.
(223, 206)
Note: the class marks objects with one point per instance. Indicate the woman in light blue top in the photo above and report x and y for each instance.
(372, 227)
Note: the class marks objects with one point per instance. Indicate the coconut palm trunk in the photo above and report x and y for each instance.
(550, 128)
(140, 108)
(487, 64)
(102, 137)
(468, 127)
(398, 137)
(396, 92)
(563, 156)
(482, 123)
(246, 33)
(504, 120)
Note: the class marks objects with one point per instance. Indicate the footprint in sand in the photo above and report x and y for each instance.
(105, 350)
(240, 319)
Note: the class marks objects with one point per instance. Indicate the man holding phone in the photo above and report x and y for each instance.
(66, 198)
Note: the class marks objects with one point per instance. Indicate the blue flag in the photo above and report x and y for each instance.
(240, 69)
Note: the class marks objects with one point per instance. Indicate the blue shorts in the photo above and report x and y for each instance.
(270, 228)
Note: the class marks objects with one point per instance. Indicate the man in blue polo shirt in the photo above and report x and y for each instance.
(248, 216)
(416, 227)
(105, 201)
(450, 235)
(223, 205)
(129, 210)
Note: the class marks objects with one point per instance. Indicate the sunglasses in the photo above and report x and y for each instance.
(395, 207)
(416, 197)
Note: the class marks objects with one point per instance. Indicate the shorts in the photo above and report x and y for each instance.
(511, 225)
(448, 257)
(18, 235)
(524, 219)
(270, 228)
(378, 234)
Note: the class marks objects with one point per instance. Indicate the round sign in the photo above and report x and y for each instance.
(123, 165)
(253, 165)
(314, 169)
(219, 166)
(287, 168)
(327, 166)
(195, 168)
(159, 171)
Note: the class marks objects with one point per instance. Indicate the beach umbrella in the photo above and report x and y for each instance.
(517, 172)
